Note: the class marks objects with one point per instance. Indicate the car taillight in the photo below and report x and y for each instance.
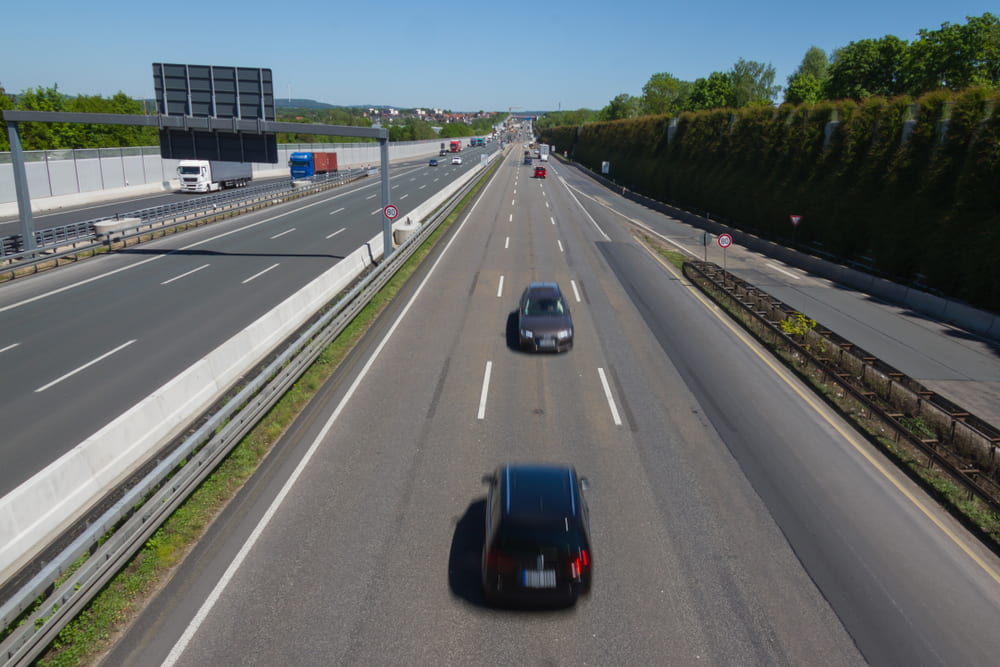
(499, 561)
(579, 564)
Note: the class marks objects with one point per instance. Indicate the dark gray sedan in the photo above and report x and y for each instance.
(543, 319)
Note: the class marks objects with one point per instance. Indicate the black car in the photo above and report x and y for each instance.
(537, 546)
(543, 318)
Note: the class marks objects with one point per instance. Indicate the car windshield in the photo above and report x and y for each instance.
(544, 306)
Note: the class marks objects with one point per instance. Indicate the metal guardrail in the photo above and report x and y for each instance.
(51, 242)
(144, 507)
(870, 383)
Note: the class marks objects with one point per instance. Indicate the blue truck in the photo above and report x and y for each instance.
(307, 165)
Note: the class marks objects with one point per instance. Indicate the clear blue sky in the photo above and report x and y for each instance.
(463, 56)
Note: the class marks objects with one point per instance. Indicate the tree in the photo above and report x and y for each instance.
(623, 106)
(664, 93)
(715, 92)
(6, 102)
(803, 88)
(867, 67)
(752, 84)
(955, 56)
(806, 83)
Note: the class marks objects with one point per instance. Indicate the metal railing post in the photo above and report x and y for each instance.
(386, 222)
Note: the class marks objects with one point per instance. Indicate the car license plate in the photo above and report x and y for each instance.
(538, 578)
(547, 342)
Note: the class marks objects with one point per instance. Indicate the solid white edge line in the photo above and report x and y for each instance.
(185, 274)
(84, 367)
(611, 400)
(570, 189)
(9, 347)
(258, 275)
(500, 288)
(330, 236)
(287, 231)
(178, 250)
(220, 587)
(576, 292)
(486, 388)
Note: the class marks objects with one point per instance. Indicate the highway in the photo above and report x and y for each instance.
(735, 519)
(80, 345)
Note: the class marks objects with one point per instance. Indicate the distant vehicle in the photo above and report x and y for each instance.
(443, 152)
(543, 318)
(307, 165)
(527, 159)
(213, 175)
(456, 145)
(539, 172)
(432, 163)
(537, 546)
(456, 160)
(543, 152)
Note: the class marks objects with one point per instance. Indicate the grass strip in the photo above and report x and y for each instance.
(89, 635)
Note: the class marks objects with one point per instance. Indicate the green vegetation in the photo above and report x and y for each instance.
(87, 636)
(922, 211)
(953, 57)
(353, 117)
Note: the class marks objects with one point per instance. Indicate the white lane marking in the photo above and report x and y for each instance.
(552, 219)
(287, 231)
(781, 270)
(258, 275)
(576, 292)
(422, 187)
(404, 197)
(234, 565)
(182, 248)
(546, 204)
(611, 400)
(515, 191)
(435, 180)
(560, 245)
(371, 196)
(511, 202)
(506, 244)
(412, 179)
(186, 273)
(570, 189)
(9, 347)
(330, 236)
(84, 367)
(486, 388)
(511, 218)
(500, 288)
(378, 210)
(337, 211)
(395, 186)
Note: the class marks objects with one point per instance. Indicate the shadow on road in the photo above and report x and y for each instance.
(466, 554)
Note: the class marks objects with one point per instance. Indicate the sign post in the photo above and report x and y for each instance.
(725, 240)
(796, 219)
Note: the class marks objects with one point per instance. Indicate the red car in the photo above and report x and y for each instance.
(539, 172)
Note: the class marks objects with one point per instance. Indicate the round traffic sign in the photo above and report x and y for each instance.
(390, 211)
(725, 240)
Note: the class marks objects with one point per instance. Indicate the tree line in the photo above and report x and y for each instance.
(952, 57)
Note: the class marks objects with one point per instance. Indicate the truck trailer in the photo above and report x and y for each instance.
(213, 175)
(307, 165)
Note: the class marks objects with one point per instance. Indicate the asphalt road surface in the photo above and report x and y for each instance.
(735, 519)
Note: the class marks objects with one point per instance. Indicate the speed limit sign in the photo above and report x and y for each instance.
(725, 240)
(390, 211)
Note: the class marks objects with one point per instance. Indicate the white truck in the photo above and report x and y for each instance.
(212, 175)
(543, 152)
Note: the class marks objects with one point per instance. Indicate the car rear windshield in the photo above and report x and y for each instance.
(531, 536)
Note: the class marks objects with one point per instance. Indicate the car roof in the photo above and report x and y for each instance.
(533, 491)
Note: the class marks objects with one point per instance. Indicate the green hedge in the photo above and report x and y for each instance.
(924, 211)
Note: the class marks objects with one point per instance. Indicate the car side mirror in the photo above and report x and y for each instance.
(488, 479)
(584, 483)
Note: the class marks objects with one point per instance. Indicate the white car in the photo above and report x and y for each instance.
(456, 160)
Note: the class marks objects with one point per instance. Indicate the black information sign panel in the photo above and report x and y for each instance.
(207, 91)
